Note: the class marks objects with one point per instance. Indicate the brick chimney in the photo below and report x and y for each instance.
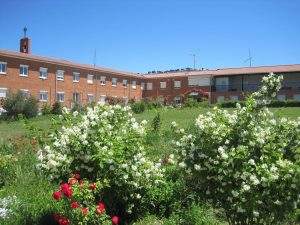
(25, 43)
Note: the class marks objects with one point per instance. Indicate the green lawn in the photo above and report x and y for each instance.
(184, 117)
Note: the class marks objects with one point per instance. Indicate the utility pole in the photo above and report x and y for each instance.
(95, 58)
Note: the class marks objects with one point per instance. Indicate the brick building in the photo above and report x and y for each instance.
(53, 80)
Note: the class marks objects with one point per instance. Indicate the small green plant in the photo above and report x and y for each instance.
(46, 109)
(156, 122)
(138, 107)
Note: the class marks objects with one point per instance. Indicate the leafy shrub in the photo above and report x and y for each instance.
(106, 143)
(7, 159)
(56, 108)
(46, 109)
(17, 104)
(138, 107)
(115, 100)
(246, 160)
(192, 102)
(274, 103)
(77, 107)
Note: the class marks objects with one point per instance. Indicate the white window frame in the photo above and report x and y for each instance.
(221, 98)
(177, 84)
(163, 84)
(234, 97)
(41, 93)
(133, 84)
(60, 94)
(149, 86)
(3, 90)
(76, 77)
(90, 78)
(88, 98)
(25, 92)
(177, 100)
(125, 83)
(23, 74)
(76, 100)
(60, 75)
(114, 80)
(102, 80)
(1, 67)
(43, 73)
(143, 86)
(101, 98)
(296, 97)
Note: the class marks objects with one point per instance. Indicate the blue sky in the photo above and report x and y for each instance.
(142, 35)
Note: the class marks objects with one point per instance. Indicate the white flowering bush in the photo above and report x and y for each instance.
(245, 160)
(105, 143)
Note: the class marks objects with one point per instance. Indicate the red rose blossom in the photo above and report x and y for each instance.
(72, 181)
(64, 221)
(57, 195)
(100, 208)
(74, 205)
(85, 211)
(66, 189)
(77, 176)
(92, 186)
(115, 220)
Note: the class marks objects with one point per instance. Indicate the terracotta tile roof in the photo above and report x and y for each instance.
(230, 71)
(63, 62)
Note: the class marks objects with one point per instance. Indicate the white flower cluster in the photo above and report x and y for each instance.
(5, 204)
(245, 159)
(104, 143)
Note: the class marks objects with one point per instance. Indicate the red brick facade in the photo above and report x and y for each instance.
(165, 87)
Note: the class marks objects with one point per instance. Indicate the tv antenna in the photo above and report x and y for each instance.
(250, 58)
(194, 58)
(25, 30)
(95, 58)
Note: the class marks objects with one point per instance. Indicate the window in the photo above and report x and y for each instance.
(3, 66)
(149, 86)
(163, 85)
(102, 98)
(60, 96)
(198, 81)
(60, 75)
(76, 77)
(76, 97)
(43, 96)
(177, 83)
(234, 97)
(24, 70)
(297, 97)
(220, 99)
(24, 92)
(90, 79)
(143, 86)
(177, 100)
(43, 73)
(102, 80)
(281, 97)
(114, 82)
(125, 83)
(3, 92)
(133, 84)
(90, 98)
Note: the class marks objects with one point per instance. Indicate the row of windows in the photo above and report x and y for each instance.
(280, 97)
(43, 96)
(24, 71)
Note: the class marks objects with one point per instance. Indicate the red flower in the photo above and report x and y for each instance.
(115, 220)
(85, 211)
(57, 195)
(76, 176)
(66, 189)
(74, 205)
(63, 221)
(92, 186)
(72, 181)
(100, 208)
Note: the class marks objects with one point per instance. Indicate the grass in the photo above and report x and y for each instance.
(184, 117)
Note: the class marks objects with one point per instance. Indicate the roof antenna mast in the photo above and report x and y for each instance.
(250, 58)
(25, 30)
(194, 58)
(95, 58)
